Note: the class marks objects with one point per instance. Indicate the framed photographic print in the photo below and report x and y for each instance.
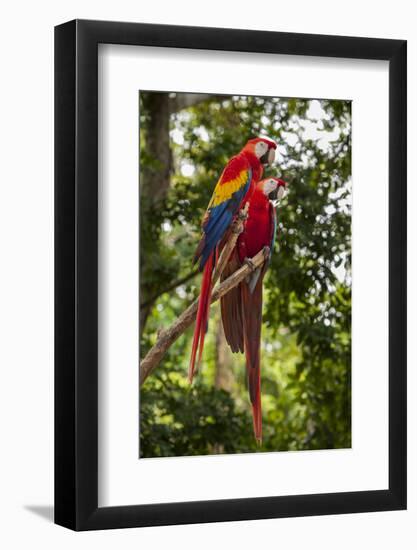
(230, 252)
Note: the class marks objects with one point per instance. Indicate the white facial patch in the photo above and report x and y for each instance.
(260, 149)
(271, 156)
(269, 186)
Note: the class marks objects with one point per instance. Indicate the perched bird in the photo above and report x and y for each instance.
(241, 307)
(233, 189)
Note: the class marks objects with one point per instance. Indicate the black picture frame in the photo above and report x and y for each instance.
(76, 272)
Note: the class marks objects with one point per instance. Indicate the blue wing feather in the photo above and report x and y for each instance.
(220, 218)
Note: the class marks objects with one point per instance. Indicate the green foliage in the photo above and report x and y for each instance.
(306, 353)
(208, 422)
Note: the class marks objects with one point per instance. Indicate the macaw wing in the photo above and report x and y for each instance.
(227, 197)
(273, 227)
(260, 271)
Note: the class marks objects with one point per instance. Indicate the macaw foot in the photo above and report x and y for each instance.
(239, 220)
(249, 262)
(267, 252)
(243, 213)
(236, 226)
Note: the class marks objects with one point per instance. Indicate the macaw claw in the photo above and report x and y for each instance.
(267, 252)
(249, 262)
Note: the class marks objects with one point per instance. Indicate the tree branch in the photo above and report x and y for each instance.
(236, 230)
(168, 336)
(172, 286)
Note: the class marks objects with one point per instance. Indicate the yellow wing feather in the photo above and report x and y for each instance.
(224, 190)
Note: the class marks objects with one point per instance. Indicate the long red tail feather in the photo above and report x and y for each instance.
(254, 376)
(252, 323)
(202, 317)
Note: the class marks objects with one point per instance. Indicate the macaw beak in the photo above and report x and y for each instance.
(273, 195)
(278, 193)
(268, 157)
(281, 191)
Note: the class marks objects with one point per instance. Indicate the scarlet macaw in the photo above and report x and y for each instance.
(241, 307)
(234, 188)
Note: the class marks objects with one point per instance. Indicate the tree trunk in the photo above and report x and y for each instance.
(183, 101)
(155, 175)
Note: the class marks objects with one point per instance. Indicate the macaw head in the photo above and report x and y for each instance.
(273, 188)
(262, 148)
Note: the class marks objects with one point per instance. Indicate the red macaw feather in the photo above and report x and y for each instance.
(202, 316)
(241, 307)
(231, 308)
(234, 188)
(252, 324)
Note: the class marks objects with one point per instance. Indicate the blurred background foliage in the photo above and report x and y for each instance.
(185, 142)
